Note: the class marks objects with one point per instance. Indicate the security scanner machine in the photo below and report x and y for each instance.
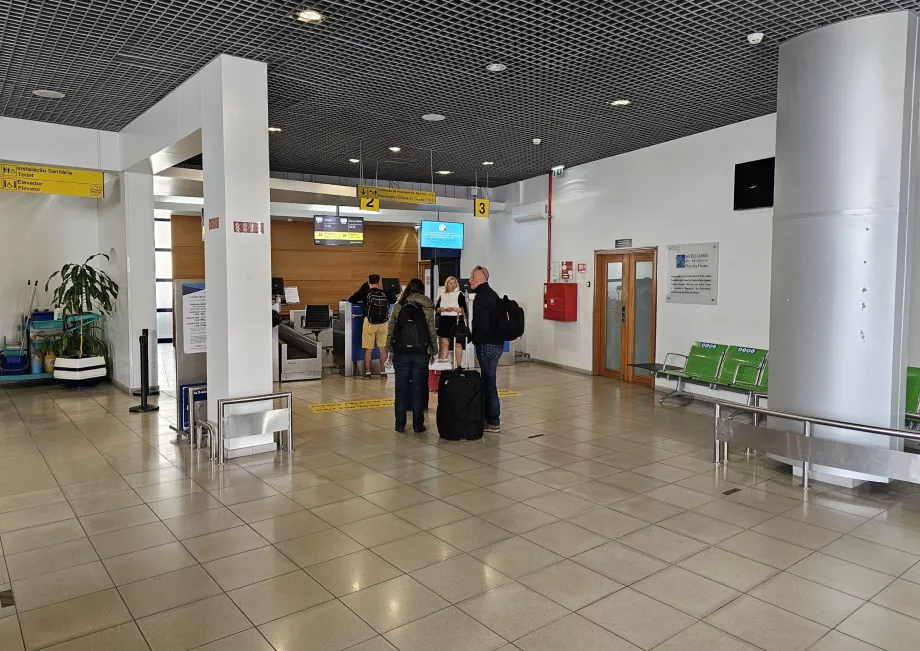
(301, 342)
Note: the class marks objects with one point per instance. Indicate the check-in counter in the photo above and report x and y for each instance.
(346, 340)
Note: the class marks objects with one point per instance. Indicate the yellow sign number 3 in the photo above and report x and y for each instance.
(481, 207)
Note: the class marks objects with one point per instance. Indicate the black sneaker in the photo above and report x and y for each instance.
(401, 431)
(493, 428)
(421, 431)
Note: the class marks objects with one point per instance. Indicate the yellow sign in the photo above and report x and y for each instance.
(338, 235)
(481, 207)
(397, 194)
(40, 179)
(380, 403)
(370, 203)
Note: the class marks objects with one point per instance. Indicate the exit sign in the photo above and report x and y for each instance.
(558, 170)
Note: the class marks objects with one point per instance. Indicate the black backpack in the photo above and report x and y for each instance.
(378, 306)
(411, 334)
(510, 319)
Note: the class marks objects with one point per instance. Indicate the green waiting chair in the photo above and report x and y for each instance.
(740, 363)
(912, 406)
(704, 360)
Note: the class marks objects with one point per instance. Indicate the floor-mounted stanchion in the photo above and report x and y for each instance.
(144, 407)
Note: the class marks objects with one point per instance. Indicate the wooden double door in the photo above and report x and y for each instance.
(625, 300)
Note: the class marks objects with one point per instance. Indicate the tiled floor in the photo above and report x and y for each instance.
(594, 521)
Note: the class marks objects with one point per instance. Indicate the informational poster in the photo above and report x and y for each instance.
(567, 267)
(693, 274)
(291, 296)
(194, 320)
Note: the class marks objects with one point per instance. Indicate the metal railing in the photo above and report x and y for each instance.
(859, 458)
(260, 422)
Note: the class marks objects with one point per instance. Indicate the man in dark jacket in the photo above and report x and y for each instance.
(489, 342)
(375, 304)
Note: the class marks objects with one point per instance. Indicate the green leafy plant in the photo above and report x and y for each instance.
(84, 291)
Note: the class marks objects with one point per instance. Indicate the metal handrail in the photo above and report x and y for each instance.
(721, 451)
(224, 402)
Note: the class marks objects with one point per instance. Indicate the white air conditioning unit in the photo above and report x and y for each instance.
(530, 212)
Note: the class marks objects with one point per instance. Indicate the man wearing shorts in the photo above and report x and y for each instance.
(375, 304)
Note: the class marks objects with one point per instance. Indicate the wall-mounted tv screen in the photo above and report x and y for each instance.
(338, 231)
(754, 184)
(441, 235)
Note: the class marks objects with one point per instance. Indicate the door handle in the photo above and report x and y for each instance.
(624, 314)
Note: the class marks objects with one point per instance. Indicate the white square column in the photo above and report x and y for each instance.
(234, 133)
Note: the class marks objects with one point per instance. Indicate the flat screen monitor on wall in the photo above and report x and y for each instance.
(330, 230)
(441, 235)
(754, 184)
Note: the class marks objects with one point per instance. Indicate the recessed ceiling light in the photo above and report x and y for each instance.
(443, 172)
(537, 141)
(433, 117)
(274, 129)
(310, 16)
(395, 150)
(620, 102)
(354, 160)
(496, 67)
(489, 162)
(48, 94)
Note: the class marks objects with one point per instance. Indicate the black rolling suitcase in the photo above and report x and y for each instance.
(460, 408)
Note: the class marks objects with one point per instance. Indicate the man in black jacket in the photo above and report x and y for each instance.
(489, 342)
(376, 315)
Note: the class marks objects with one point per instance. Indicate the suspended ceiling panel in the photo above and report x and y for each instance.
(358, 83)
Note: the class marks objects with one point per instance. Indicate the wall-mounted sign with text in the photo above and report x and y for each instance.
(41, 179)
(693, 274)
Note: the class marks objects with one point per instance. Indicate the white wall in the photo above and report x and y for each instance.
(674, 193)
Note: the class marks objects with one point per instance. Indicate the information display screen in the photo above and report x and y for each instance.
(338, 231)
(441, 235)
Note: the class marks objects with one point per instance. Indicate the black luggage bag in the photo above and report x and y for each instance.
(460, 410)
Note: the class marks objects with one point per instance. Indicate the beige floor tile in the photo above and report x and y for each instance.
(622, 564)
(54, 587)
(513, 611)
(574, 633)
(901, 596)
(736, 514)
(379, 529)
(168, 490)
(637, 618)
(841, 575)
(31, 500)
(453, 464)
(133, 539)
(249, 640)
(293, 525)
(124, 637)
(487, 475)
(599, 492)
(569, 584)
(764, 549)
(393, 603)
(608, 523)
(247, 492)
(766, 626)
(823, 517)
(10, 636)
(147, 563)
(691, 593)
(459, 578)
(278, 597)
(647, 509)
(213, 477)
(837, 641)
(470, 534)
(905, 540)
(516, 557)
(523, 466)
(398, 498)
(166, 591)
(415, 552)
(443, 486)
(884, 628)
(703, 637)
(193, 624)
(249, 567)
(436, 513)
(630, 481)
(447, 629)
(561, 505)
(520, 489)
(185, 505)
(848, 504)
(50, 559)
(35, 516)
(558, 478)
(105, 502)
(367, 484)
(327, 627)
(479, 501)
(729, 569)
(663, 544)
(700, 527)
(150, 477)
(216, 545)
(797, 533)
(564, 538)
(901, 517)
(318, 547)
(72, 619)
(199, 524)
(347, 511)
(872, 555)
(23, 540)
(680, 497)
(353, 572)
(763, 500)
(810, 600)
(518, 518)
(116, 520)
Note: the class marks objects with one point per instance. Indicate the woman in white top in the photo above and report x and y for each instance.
(451, 306)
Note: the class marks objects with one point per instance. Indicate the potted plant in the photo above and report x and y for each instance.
(86, 294)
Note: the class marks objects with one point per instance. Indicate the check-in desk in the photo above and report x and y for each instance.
(346, 340)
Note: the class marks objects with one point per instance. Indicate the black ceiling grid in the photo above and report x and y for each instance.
(360, 81)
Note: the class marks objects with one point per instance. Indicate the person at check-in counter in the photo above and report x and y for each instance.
(375, 304)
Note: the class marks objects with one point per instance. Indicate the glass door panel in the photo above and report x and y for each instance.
(614, 317)
(643, 315)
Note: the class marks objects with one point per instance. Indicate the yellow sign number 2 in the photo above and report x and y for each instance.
(481, 207)
(370, 203)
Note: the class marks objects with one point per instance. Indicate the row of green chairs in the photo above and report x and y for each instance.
(720, 367)
(912, 406)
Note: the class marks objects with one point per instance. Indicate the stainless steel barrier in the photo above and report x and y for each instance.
(260, 422)
(809, 450)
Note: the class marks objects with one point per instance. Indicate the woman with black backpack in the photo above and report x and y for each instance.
(412, 338)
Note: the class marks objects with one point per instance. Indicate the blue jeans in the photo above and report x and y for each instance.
(411, 389)
(488, 355)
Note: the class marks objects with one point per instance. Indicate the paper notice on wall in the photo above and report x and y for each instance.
(693, 274)
(291, 296)
(195, 323)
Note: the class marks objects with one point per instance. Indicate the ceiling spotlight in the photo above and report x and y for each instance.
(496, 67)
(44, 93)
(488, 162)
(274, 129)
(354, 160)
(433, 117)
(395, 150)
(443, 172)
(620, 102)
(537, 141)
(310, 16)
(755, 38)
